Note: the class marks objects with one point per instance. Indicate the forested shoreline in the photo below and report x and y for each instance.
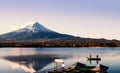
(62, 43)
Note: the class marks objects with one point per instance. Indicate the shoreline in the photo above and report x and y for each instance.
(53, 47)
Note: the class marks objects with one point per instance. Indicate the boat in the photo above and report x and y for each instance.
(94, 59)
(82, 68)
(99, 68)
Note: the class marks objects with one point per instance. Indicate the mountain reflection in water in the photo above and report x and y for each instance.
(28, 60)
(31, 63)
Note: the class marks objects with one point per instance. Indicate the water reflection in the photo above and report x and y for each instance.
(31, 63)
(78, 67)
(26, 60)
(90, 59)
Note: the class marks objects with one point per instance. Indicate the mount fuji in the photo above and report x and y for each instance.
(36, 35)
(33, 31)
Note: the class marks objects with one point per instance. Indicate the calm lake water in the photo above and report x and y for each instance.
(29, 60)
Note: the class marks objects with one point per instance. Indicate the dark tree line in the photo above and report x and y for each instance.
(62, 43)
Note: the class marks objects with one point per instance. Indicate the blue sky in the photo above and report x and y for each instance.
(84, 18)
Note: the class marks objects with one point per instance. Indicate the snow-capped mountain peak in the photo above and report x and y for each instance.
(33, 27)
(33, 31)
(37, 27)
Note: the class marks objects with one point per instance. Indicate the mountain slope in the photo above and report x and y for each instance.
(33, 32)
(36, 35)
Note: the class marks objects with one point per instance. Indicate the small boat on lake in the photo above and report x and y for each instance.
(82, 68)
(94, 59)
(99, 68)
(79, 67)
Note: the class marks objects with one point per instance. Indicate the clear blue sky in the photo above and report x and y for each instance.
(84, 18)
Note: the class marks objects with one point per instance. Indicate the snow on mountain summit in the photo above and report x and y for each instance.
(33, 31)
(37, 27)
(34, 27)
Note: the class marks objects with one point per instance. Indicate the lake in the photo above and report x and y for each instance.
(29, 60)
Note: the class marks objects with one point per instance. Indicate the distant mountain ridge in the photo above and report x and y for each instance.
(36, 35)
(32, 32)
